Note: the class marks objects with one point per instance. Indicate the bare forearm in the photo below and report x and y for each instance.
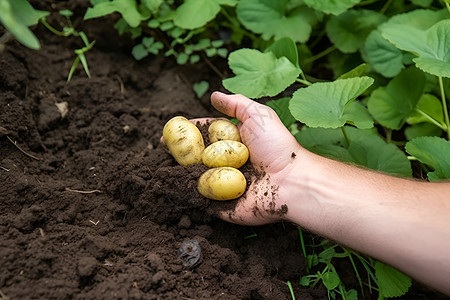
(402, 222)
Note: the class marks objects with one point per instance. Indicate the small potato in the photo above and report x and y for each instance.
(184, 140)
(222, 183)
(223, 130)
(225, 154)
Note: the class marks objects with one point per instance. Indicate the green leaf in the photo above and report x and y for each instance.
(281, 107)
(330, 280)
(430, 105)
(349, 30)
(196, 13)
(366, 148)
(285, 47)
(182, 58)
(433, 151)
(391, 282)
(329, 104)
(273, 19)
(423, 3)
(153, 5)
(259, 74)
(127, 8)
(139, 52)
(393, 104)
(334, 7)
(351, 294)
(66, 13)
(355, 72)
(385, 58)
(16, 16)
(422, 129)
(200, 88)
(305, 281)
(421, 19)
(432, 46)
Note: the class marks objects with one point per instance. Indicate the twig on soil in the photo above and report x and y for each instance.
(3, 296)
(41, 231)
(122, 87)
(83, 192)
(23, 151)
(5, 169)
(95, 223)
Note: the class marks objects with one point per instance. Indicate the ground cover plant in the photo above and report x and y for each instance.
(361, 81)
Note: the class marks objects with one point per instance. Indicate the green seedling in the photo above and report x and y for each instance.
(17, 16)
(69, 30)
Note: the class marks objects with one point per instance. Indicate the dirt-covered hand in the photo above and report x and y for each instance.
(273, 150)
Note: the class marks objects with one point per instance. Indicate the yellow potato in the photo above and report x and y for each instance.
(225, 154)
(184, 140)
(222, 183)
(223, 130)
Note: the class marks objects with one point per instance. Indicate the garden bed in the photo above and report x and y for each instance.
(92, 207)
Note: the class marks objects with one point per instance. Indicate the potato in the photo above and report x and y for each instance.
(224, 183)
(223, 130)
(225, 154)
(184, 140)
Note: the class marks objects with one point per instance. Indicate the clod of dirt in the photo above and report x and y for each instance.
(190, 253)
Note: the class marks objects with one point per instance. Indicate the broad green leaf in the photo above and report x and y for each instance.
(285, 47)
(196, 13)
(421, 19)
(351, 294)
(349, 30)
(422, 129)
(16, 16)
(330, 280)
(432, 46)
(391, 282)
(273, 19)
(366, 148)
(334, 7)
(328, 104)
(200, 88)
(127, 8)
(385, 58)
(327, 255)
(355, 72)
(281, 107)
(433, 151)
(429, 105)
(393, 104)
(259, 74)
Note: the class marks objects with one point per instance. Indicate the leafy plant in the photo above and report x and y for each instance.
(17, 16)
(160, 25)
(68, 31)
(391, 67)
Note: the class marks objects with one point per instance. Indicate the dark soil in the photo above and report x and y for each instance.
(94, 207)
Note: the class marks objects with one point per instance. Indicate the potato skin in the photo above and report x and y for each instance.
(184, 140)
(224, 183)
(220, 130)
(225, 154)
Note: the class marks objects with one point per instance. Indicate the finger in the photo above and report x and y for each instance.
(238, 106)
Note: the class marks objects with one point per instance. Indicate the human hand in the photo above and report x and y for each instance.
(273, 150)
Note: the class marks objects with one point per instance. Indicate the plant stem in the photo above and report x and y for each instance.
(302, 243)
(304, 81)
(447, 5)
(386, 6)
(444, 106)
(319, 55)
(344, 132)
(431, 119)
(412, 158)
(291, 289)
(52, 29)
